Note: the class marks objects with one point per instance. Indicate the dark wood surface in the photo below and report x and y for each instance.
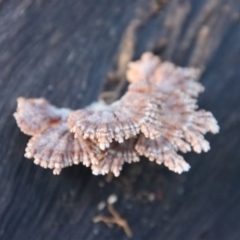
(63, 50)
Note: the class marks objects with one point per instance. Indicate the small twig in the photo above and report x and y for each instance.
(116, 219)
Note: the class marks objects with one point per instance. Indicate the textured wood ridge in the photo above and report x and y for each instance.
(64, 51)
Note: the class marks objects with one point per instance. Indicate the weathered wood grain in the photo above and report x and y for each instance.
(63, 50)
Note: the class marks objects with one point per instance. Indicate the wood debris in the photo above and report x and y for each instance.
(115, 219)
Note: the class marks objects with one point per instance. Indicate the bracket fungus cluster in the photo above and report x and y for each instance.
(157, 117)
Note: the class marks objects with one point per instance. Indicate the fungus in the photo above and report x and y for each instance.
(124, 119)
(115, 157)
(51, 145)
(157, 117)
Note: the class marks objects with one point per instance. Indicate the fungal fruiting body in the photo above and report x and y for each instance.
(157, 118)
(51, 145)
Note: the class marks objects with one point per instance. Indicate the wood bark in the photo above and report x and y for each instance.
(64, 51)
